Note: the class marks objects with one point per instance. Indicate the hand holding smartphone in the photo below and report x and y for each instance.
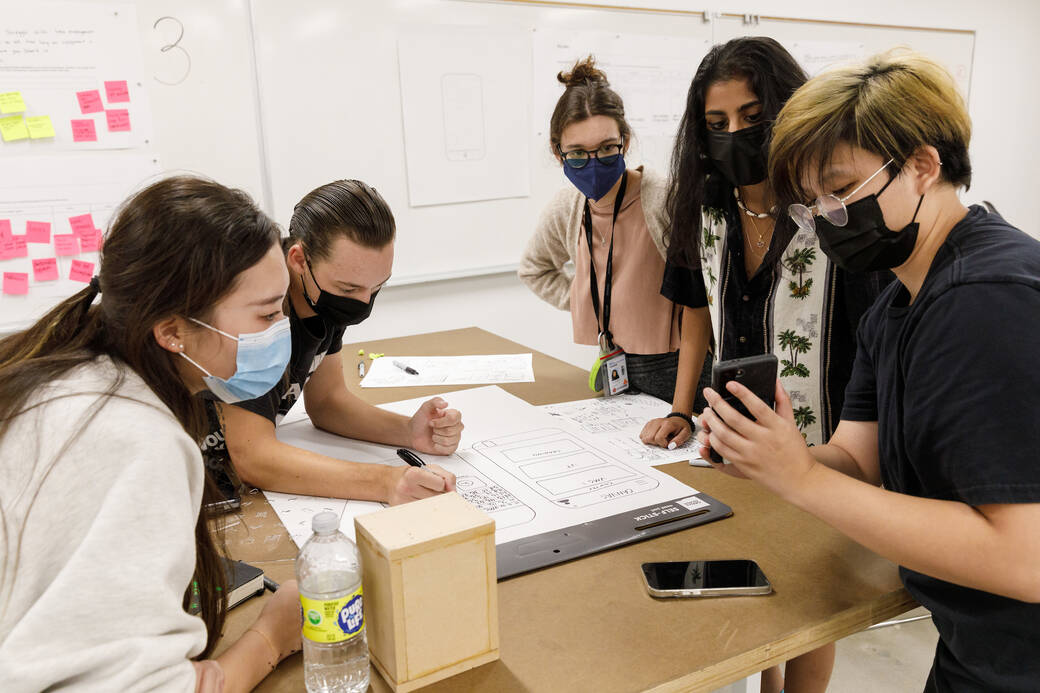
(756, 373)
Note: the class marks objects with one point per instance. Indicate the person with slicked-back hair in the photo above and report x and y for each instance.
(339, 254)
(934, 462)
(609, 225)
(109, 576)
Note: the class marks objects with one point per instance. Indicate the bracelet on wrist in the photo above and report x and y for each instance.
(685, 417)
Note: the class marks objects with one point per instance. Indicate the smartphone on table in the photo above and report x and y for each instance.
(756, 373)
(705, 579)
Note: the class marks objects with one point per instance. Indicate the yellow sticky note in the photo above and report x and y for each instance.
(13, 128)
(12, 102)
(39, 127)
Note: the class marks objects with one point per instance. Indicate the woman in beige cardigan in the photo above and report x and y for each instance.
(626, 212)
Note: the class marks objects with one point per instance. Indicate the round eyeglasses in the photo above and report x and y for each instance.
(579, 158)
(830, 207)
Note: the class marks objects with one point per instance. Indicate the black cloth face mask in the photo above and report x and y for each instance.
(865, 244)
(740, 155)
(339, 310)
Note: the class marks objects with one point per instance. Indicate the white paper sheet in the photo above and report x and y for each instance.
(50, 51)
(651, 73)
(531, 471)
(615, 423)
(450, 370)
(465, 106)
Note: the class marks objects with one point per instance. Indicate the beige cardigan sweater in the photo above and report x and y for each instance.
(543, 267)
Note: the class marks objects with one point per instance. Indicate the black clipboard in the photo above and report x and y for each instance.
(558, 546)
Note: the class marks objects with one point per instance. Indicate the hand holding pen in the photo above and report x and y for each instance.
(418, 480)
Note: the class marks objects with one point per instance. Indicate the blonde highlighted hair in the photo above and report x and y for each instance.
(890, 106)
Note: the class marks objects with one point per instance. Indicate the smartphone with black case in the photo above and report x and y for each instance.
(705, 579)
(756, 373)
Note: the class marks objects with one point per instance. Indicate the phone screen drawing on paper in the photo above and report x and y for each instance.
(563, 469)
(506, 509)
(462, 96)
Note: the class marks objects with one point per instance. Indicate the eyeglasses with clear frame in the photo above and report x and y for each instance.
(579, 158)
(830, 207)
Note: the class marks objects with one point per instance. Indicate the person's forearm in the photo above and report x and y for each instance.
(693, 347)
(945, 539)
(838, 459)
(277, 466)
(348, 415)
(247, 662)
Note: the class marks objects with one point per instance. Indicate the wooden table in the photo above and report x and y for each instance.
(589, 624)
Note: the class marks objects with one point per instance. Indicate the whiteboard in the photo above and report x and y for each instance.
(277, 98)
(826, 43)
(330, 97)
(193, 61)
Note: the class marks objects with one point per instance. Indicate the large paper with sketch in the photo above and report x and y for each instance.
(554, 493)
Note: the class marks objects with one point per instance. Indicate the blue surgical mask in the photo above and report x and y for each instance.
(596, 179)
(259, 363)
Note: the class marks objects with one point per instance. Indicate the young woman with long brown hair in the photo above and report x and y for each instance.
(104, 553)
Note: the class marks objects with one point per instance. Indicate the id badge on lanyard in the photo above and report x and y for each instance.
(610, 372)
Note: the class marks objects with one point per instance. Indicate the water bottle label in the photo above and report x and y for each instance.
(335, 620)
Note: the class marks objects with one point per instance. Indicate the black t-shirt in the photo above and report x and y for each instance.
(313, 339)
(953, 383)
(747, 303)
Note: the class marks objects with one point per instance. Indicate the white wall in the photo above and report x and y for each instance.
(1004, 105)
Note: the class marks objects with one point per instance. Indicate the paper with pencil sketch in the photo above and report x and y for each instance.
(531, 471)
(616, 422)
(450, 370)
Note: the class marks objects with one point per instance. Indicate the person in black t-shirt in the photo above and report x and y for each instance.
(339, 254)
(934, 463)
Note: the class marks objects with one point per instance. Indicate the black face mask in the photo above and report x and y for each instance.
(339, 310)
(865, 244)
(740, 155)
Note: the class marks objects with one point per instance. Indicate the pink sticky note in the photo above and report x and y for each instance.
(90, 241)
(117, 92)
(5, 229)
(90, 101)
(118, 120)
(81, 271)
(13, 247)
(45, 269)
(83, 131)
(81, 224)
(38, 231)
(17, 283)
(66, 244)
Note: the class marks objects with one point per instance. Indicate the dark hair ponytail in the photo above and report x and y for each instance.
(587, 94)
(773, 75)
(174, 248)
(348, 208)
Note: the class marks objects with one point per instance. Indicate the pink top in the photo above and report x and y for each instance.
(641, 319)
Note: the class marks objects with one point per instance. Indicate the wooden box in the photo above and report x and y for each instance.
(431, 592)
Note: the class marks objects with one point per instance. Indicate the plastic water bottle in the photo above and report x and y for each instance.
(335, 649)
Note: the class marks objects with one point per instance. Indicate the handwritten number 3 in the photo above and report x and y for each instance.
(174, 46)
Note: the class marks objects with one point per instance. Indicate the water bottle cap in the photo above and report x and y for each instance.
(325, 522)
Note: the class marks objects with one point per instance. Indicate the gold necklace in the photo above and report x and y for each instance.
(761, 242)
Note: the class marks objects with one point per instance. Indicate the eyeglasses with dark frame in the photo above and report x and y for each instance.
(579, 158)
(830, 207)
